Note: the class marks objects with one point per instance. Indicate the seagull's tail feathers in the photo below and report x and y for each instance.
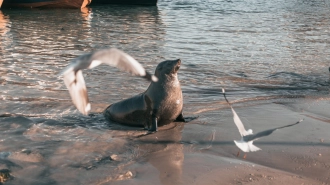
(242, 145)
(246, 146)
(252, 147)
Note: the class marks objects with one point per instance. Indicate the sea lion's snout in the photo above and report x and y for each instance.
(168, 67)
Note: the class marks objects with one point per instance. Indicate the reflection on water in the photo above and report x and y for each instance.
(4, 31)
(257, 50)
(4, 24)
(44, 41)
(86, 14)
(167, 156)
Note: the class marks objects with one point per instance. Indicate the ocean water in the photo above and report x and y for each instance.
(258, 50)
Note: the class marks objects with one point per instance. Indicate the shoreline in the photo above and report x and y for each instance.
(201, 151)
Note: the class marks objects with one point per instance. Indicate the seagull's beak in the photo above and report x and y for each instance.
(154, 78)
(151, 77)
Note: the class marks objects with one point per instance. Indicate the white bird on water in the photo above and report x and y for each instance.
(74, 79)
(246, 142)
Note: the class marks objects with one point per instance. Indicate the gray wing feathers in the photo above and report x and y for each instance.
(258, 135)
(267, 132)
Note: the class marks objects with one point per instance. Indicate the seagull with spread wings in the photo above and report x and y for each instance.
(74, 79)
(246, 142)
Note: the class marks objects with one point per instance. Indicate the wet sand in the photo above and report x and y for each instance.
(72, 150)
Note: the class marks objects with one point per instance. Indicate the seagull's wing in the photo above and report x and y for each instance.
(239, 123)
(267, 132)
(74, 79)
(224, 95)
(117, 58)
(75, 83)
(237, 120)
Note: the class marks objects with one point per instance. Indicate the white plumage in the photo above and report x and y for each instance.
(247, 136)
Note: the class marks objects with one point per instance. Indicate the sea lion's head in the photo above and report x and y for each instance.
(168, 68)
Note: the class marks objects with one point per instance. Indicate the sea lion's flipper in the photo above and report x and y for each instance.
(154, 127)
(180, 118)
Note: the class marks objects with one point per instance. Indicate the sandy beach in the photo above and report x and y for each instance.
(200, 151)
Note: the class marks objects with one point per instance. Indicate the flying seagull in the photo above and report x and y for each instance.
(74, 79)
(246, 142)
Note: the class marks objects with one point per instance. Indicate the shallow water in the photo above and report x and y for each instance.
(257, 50)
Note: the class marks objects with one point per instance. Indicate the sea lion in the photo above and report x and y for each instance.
(160, 104)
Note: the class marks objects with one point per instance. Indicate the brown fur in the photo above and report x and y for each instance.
(162, 99)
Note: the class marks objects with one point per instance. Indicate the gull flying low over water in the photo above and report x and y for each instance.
(246, 142)
(74, 79)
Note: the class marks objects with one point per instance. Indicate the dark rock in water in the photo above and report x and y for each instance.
(5, 175)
